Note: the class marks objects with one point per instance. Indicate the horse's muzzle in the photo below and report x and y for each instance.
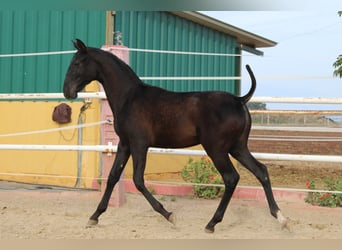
(70, 95)
(70, 91)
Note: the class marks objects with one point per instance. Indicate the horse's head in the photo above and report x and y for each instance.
(81, 71)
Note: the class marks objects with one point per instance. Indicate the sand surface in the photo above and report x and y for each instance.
(62, 214)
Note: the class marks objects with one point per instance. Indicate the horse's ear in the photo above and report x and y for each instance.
(79, 45)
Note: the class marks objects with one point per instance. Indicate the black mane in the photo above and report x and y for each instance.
(121, 64)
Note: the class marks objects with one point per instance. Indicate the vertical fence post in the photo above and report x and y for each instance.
(108, 135)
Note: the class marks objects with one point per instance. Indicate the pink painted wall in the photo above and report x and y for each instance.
(108, 135)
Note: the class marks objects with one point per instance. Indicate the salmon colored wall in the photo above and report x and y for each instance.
(47, 167)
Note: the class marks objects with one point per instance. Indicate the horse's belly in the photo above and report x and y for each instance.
(174, 138)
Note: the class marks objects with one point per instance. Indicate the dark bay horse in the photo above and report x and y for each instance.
(147, 116)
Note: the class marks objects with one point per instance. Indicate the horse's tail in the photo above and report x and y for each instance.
(250, 93)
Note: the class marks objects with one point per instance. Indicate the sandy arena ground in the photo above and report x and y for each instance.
(61, 214)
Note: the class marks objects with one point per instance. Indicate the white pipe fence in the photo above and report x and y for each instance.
(297, 100)
(102, 95)
(299, 129)
(109, 149)
(91, 124)
(29, 96)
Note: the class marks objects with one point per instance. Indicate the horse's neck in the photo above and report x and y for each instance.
(118, 83)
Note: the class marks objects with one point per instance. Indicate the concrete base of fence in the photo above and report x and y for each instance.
(252, 193)
(245, 193)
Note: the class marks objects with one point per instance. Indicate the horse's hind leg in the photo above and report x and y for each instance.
(139, 163)
(260, 172)
(230, 177)
(120, 161)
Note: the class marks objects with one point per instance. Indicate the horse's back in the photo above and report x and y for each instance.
(178, 119)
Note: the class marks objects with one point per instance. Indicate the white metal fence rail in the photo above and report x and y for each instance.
(102, 95)
(111, 149)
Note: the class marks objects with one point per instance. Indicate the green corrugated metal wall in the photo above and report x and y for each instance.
(43, 31)
(165, 31)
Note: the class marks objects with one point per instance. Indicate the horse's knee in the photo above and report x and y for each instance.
(231, 179)
(235, 177)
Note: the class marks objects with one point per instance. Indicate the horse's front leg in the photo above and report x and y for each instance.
(139, 163)
(120, 161)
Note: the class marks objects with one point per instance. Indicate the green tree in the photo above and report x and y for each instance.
(338, 63)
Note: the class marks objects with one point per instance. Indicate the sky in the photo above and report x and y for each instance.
(300, 65)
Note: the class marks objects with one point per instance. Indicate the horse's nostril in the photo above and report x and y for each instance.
(73, 96)
(70, 96)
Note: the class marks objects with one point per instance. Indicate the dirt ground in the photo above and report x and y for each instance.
(34, 213)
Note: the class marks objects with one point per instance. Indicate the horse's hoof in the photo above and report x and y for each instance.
(283, 221)
(209, 230)
(92, 223)
(172, 218)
